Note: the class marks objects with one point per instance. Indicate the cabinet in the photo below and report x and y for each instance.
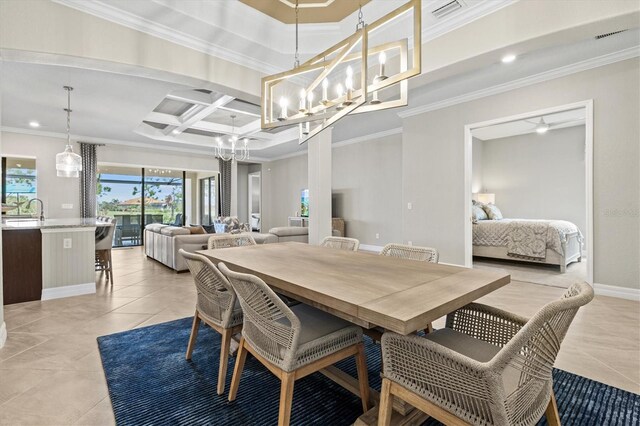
(21, 265)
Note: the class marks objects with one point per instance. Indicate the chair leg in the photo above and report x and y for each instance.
(553, 417)
(110, 267)
(363, 377)
(194, 334)
(386, 403)
(224, 359)
(286, 399)
(237, 370)
(428, 329)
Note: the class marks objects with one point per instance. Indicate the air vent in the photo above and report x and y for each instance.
(598, 37)
(446, 9)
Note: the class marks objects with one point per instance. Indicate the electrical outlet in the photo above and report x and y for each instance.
(409, 206)
(377, 236)
(67, 243)
(67, 206)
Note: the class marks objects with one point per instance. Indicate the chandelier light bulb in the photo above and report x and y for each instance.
(284, 103)
(325, 87)
(382, 58)
(339, 90)
(303, 100)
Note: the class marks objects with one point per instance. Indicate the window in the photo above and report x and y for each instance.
(164, 196)
(19, 185)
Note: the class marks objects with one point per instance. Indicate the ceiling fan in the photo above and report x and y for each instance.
(542, 126)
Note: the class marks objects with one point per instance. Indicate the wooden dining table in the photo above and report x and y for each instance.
(366, 289)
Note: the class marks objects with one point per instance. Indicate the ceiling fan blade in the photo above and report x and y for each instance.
(558, 123)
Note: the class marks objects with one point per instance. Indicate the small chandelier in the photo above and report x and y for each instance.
(237, 153)
(68, 163)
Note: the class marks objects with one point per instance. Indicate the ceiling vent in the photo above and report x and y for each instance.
(446, 9)
(598, 37)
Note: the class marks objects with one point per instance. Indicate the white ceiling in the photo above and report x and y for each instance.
(111, 107)
(560, 120)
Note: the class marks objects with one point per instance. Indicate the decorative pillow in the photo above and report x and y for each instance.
(493, 212)
(478, 213)
(195, 229)
(210, 229)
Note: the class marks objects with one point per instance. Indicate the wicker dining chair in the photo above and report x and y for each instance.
(487, 367)
(341, 243)
(217, 305)
(425, 254)
(292, 342)
(230, 240)
(103, 246)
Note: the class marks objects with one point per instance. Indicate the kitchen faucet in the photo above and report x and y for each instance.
(41, 207)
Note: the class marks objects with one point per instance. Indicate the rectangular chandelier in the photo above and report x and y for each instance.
(339, 81)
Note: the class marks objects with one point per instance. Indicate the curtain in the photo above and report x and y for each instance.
(225, 187)
(88, 180)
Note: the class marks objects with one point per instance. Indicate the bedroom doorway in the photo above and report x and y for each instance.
(534, 172)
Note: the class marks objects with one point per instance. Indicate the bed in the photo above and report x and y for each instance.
(551, 242)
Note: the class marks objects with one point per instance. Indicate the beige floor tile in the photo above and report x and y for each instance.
(60, 352)
(15, 382)
(60, 399)
(20, 342)
(100, 415)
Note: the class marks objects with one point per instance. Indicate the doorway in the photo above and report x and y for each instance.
(255, 201)
(535, 128)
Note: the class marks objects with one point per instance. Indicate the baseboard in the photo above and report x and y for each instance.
(370, 247)
(68, 291)
(615, 291)
(3, 333)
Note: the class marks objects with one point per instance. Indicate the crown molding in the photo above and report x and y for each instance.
(110, 13)
(598, 61)
(105, 141)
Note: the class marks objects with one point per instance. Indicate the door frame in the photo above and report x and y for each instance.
(251, 175)
(468, 165)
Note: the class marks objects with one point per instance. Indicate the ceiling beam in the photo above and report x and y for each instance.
(191, 97)
(197, 114)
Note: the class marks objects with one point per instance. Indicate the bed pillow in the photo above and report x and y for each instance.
(477, 213)
(493, 212)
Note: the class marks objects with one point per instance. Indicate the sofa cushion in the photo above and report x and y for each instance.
(287, 231)
(155, 227)
(195, 229)
(264, 238)
(174, 230)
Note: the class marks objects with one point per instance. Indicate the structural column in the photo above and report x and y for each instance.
(234, 188)
(319, 158)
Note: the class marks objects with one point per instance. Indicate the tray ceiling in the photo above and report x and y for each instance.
(309, 11)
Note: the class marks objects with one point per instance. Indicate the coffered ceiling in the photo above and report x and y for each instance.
(309, 11)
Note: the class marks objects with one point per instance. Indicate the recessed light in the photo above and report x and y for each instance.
(507, 59)
(34, 124)
(175, 131)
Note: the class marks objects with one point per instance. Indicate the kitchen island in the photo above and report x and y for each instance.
(48, 259)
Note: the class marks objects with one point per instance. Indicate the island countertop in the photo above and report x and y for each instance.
(27, 223)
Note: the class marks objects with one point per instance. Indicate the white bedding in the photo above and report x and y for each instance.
(495, 233)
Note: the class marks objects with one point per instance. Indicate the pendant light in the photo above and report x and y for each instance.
(68, 163)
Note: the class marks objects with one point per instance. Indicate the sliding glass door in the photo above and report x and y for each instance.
(164, 196)
(136, 197)
(120, 196)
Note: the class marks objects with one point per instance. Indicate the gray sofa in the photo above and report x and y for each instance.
(163, 242)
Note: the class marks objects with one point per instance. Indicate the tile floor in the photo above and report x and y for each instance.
(50, 370)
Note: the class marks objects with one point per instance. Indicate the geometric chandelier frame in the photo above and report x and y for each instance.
(312, 117)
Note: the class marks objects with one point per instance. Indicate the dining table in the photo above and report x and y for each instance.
(375, 292)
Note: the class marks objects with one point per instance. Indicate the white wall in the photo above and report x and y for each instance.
(537, 176)
(366, 188)
(433, 162)
(55, 191)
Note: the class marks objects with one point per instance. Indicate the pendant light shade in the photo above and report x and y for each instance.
(68, 163)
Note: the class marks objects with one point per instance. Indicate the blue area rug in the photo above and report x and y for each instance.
(151, 383)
